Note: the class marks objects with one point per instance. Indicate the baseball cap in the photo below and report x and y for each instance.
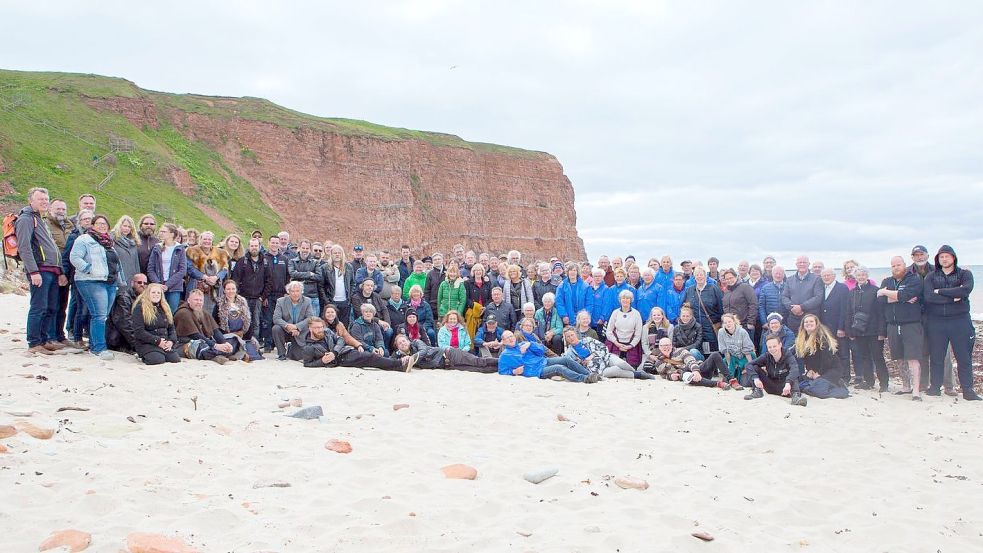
(358, 248)
(491, 318)
(919, 249)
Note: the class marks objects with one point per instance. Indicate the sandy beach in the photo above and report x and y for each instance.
(202, 453)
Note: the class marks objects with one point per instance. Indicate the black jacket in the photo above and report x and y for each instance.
(903, 312)
(307, 271)
(687, 336)
(146, 336)
(478, 294)
(314, 349)
(381, 311)
(434, 278)
(863, 305)
(786, 368)
(835, 308)
(119, 324)
(277, 276)
(431, 357)
(957, 284)
(824, 362)
(326, 271)
(251, 276)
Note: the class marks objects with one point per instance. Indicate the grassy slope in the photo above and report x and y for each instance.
(59, 154)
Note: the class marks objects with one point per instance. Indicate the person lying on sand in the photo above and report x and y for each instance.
(678, 364)
(529, 359)
(436, 357)
(323, 348)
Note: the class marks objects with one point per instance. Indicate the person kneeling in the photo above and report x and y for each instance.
(529, 360)
(153, 327)
(775, 372)
(595, 356)
(679, 364)
(437, 357)
(323, 348)
(199, 336)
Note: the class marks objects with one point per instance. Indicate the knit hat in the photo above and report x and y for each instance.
(774, 317)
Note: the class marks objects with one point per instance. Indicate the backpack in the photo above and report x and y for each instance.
(10, 236)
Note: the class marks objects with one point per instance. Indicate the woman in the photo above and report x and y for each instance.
(96, 273)
(612, 295)
(774, 325)
(740, 300)
(190, 237)
(423, 312)
(412, 328)
(154, 335)
(168, 265)
(687, 333)
(452, 295)
(233, 247)
(208, 265)
(583, 326)
(707, 302)
(849, 278)
(572, 296)
(126, 241)
(417, 278)
(736, 347)
(864, 325)
(332, 321)
(233, 311)
(478, 290)
(755, 277)
(815, 347)
(624, 330)
(549, 318)
(635, 276)
(453, 334)
(367, 331)
(517, 290)
(656, 328)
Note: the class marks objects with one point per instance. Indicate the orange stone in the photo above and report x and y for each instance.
(7, 431)
(460, 472)
(399, 406)
(74, 540)
(338, 446)
(3, 449)
(155, 543)
(34, 431)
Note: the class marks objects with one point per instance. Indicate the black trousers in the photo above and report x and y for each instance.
(871, 358)
(361, 359)
(774, 386)
(961, 334)
(463, 361)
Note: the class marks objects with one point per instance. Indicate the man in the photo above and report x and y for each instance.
(317, 252)
(713, 266)
(604, 264)
(87, 202)
(679, 364)
(770, 296)
(148, 240)
(776, 372)
(803, 294)
(921, 267)
(488, 338)
(434, 278)
(502, 310)
(290, 318)
(664, 276)
(385, 259)
(947, 291)
(304, 268)
(287, 247)
(406, 263)
(649, 294)
(77, 317)
(672, 297)
(542, 286)
(900, 296)
(836, 301)
(458, 251)
(119, 324)
(767, 266)
(321, 347)
(277, 277)
(595, 357)
(197, 334)
(470, 258)
(250, 275)
(61, 227)
(396, 308)
(42, 263)
(437, 357)
(817, 268)
(358, 257)
(529, 360)
(371, 271)
(427, 264)
(743, 268)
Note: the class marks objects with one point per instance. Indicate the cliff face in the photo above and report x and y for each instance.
(382, 192)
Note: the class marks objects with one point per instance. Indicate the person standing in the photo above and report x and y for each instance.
(277, 278)
(900, 296)
(434, 278)
(836, 299)
(250, 275)
(148, 240)
(921, 267)
(865, 327)
(803, 294)
(947, 291)
(770, 295)
(60, 227)
(168, 266)
(42, 263)
(338, 283)
(96, 272)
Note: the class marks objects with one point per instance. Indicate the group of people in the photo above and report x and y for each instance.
(167, 293)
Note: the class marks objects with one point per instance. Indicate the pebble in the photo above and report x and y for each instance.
(592, 529)
(297, 402)
(7, 431)
(399, 406)
(702, 536)
(633, 483)
(34, 431)
(271, 484)
(312, 412)
(3, 449)
(538, 475)
(460, 472)
(338, 446)
(283, 404)
(74, 540)
(156, 543)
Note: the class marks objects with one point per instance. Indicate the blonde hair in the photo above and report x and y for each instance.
(148, 308)
(134, 231)
(239, 252)
(510, 269)
(810, 344)
(665, 324)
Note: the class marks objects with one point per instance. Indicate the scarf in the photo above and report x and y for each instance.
(413, 331)
(126, 241)
(104, 240)
(455, 336)
(396, 304)
(416, 303)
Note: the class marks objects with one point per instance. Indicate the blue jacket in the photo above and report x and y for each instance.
(611, 298)
(770, 301)
(89, 259)
(665, 279)
(361, 274)
(573, 298)
(179, 267)
(479, 336)
(597, 313)
(463, 339)
(532, 361)
(647, 297)
(788, 338)
(672, 300)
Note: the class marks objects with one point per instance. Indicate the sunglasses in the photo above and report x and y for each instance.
(139, 282)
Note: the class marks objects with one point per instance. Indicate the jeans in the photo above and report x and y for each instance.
(99, 297)
(173, 300)
(960, 333)
(565, 367)
(44, 306)
(266, 321)
(316, 305)
(60, 313)
(255, 308)
(78, 315)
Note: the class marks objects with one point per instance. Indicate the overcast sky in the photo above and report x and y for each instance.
(690, 128)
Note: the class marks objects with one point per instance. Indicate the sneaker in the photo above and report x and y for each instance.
(106, 355)
(723, 385)
(687, 377)
(799, 400)
(592, 378)
(970, 395)
(281, 357)
(220, 359)
(642, 375)
(950, 392)
(735, 385)
(756, 393)
(935, 392)
(54, 346)
(865, 386)
(40, 349)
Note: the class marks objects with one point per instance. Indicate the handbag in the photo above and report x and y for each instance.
(859, 324)
(716, 326)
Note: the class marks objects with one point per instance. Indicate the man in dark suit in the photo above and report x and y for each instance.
(836, 297)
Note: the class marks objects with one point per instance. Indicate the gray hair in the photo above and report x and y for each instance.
(551, 296)
(528, 304)
(861, 269)
(293, 284)
(648, 271)
(625, 294)
(367, 308)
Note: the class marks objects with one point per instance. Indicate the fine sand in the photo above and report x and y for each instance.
(873, 473)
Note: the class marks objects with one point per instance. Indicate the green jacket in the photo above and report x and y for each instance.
(414, 279)
(449, 297)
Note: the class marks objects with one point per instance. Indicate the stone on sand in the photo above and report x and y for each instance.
(74, 540)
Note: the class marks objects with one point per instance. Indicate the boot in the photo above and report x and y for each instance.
(642, 375)
(970, 395)
(756, 393)
(799, 399)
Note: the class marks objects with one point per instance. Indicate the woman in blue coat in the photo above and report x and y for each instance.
(573, 296)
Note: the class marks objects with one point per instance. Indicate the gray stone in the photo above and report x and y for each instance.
(538, 475)
(312, 412)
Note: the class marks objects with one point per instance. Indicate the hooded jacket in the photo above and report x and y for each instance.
(947, 295)
(647, 297)
(687, 336)
(902, 312)
(38, 250)
(573, 298)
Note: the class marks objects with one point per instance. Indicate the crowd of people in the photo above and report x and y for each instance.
(166, 293)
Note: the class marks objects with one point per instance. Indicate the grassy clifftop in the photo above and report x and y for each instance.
(49, 136)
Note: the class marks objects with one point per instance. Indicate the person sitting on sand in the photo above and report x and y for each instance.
(119, 325)
(775, 326)
(776, 372)
(154, 337)
(595, 356)
(436, 357)
(736, 347)
(657, 328)
(488, 339)
(412, 328)
(323, 348)
(367, 331)
(290, 317)
(529, 360)
(815, 346)
(332, 322)
(583, 325)
(687, 333)
(679, 364)
(198, 336)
